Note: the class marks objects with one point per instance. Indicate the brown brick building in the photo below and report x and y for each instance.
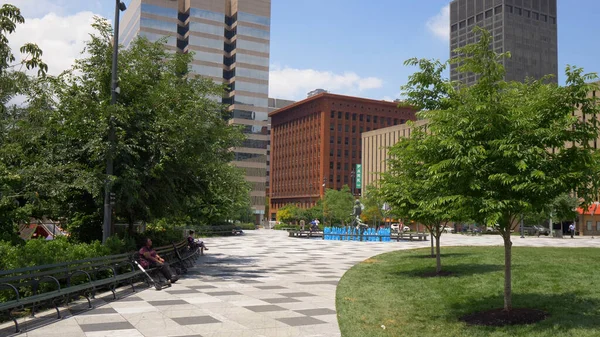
(316, 144)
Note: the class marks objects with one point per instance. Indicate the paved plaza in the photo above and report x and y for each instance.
(260, 284)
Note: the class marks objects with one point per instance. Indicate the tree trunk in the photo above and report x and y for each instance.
(431, 237)
(507, 272)
(438, 259)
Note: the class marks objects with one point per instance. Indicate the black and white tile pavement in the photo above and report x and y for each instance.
(260, 284)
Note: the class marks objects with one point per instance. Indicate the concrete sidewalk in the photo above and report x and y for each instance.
(260, 284)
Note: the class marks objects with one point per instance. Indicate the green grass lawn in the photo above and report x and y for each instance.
(388, 290)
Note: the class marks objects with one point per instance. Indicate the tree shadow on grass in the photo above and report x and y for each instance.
(566, 311)
(455, 270)
(446, 255)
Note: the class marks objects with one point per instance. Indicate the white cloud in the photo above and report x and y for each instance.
(439, 24)
(61, 38)
(291, 83)
(38, 8)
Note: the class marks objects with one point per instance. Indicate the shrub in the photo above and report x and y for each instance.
(39, 252)
(246, 226)
(282, 225)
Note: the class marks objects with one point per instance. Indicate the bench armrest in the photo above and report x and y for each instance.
(8, 285)
(46, 277)
(77, 272)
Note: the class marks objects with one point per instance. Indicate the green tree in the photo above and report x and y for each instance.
(339, 205)
(493, 139)
(288, 213)
(416, 191)
(17, 203)
(172, 154)
(373, 202)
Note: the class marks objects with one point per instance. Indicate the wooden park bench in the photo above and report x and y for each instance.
(409, 236)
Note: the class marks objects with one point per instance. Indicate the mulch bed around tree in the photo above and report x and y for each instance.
(499, 317)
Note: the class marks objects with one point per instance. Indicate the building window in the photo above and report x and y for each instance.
(395, 121)
(361, 129)
(339, 166)
(346, 140)
(527, 13)
(331, 152)
(471, 21)
(353, 141)
(368, 128)
(347, 115)
(374, 119)
(498, 9)
(462, 24)
(347, 128)
(536, 15)
(331, 140)
(544, 18)
(589, 225)
(331, 127)
(368, 119)
(331, 165)
(518, 11)
(509, 8)
(339, 152)
(479, 17)
(339, 115)
(332, 114)
(345, 179)
(346, 166)
(598, 226)
(346, 153)
(353, 154)
(488, 13)
(353, 129)
(339, 127)
(454, 28)
(339, 140)
(353, 117)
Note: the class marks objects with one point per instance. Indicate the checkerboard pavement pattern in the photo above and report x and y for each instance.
(260, 284)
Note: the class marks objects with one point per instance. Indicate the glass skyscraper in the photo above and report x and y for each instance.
(230, 40)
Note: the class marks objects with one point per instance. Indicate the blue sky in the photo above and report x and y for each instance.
(354, 47)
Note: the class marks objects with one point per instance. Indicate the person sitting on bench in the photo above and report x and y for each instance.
(149, 258)
(193, 243)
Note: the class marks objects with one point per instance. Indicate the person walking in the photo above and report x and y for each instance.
(572, 229)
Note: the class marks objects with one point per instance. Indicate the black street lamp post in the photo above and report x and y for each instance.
(119, 6)
(352, 176)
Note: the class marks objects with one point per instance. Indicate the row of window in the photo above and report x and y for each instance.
(254, 46)
(251, 87)
(252, 101)
(207, 15)
(589, 225)
(498, 10)
(530, 14)
(346, 153)
(339, 140)
(159, 25)
(250, 157)
(338, 166)
(159, 10)
(347, 128)
(361, 117)
(202, 41)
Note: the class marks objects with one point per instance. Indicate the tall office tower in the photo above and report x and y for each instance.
(316, 144)
(230, 40)
(525, 28)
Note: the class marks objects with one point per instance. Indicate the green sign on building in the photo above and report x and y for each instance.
(358, 176)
